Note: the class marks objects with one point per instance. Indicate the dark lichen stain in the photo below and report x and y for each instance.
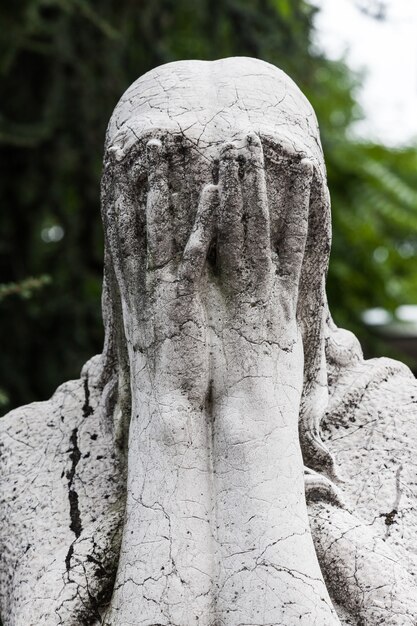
(69, 557)
(75, 456)
(87, 408)
(390, 517)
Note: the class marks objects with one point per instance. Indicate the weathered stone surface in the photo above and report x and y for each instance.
(60, 507)
(226, 406)
(368, 553)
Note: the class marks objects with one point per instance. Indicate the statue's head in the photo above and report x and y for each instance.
(187, 111)
(207, 102)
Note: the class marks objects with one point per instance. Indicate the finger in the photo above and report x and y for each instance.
(311, 315)
(314, 402)
(256, 210)
(318, 455)
(293, 232)
(231, 229)
(158, 216)
(196, 250)
(125, 234)
(319, 488)
(128, 239)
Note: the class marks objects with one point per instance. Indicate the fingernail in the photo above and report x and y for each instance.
(228, 151)
(210, 189)
(153, 149)
(116, 152)
(253, 139)
(307, 165)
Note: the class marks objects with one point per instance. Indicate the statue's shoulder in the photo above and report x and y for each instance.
(71, 399)
(355, 382)
(61, 494)
(371, 429)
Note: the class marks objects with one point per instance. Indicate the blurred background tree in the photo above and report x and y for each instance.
(63, 66)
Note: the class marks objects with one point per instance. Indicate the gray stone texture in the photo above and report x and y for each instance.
(230, 458)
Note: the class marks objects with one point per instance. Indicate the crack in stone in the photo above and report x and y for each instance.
(75, 516)
(87, 408)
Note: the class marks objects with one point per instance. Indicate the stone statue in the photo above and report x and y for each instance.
(230, 458)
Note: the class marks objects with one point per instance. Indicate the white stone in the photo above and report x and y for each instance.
(191, 443)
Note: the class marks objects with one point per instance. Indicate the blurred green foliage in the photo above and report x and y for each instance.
(63, 66)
